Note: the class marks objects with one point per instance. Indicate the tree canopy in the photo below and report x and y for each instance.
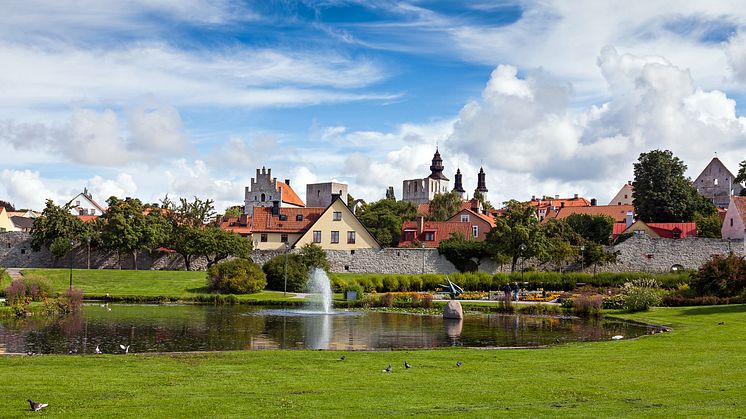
(444, 206)
(384, 219)
(517, 233)
(596, 228)
(662, 193)
(58, 229)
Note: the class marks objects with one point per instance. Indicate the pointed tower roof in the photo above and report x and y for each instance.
(437, 167)
(481, 182)
(458, 182)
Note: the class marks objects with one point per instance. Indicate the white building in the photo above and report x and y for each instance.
(422, 191)
(83, 204)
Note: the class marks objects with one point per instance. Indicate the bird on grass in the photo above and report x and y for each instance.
(721, 323)
(617, 337)
(459, 363)
(98, 350)
(36, 406)
(342, 358)
(126, 349)
(407, 365)
(388, 369)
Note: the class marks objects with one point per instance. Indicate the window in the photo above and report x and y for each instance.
(625, 196)
(350, 237)
(352, 252)
(475, 231)
(264, 197)
(317, 236)
(335, 236)
(264, 237)
(284, 238)
(299, 217)
(283, 217)
(731, 222)
(464, 218)
(337, 216)
(429, 236)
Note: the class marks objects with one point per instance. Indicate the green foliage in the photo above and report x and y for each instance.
(587, 306)
(741, 176)
(384, 219)
(662, 193)
(517, 233)
(596, 254)
(353, 287)
(390, 193)
(314, 256)
(595, 228)
(642, 293)
(614, 302)
(708, 225)
(60, 246)
(464, 254)
(297, 273)
(721, 276)
(37, 287)
(444, 206)
(57, 225)
(234, 211)
(237, 276)
(122, 229)
(216, 244)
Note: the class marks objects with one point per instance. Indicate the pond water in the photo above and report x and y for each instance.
(175, 328)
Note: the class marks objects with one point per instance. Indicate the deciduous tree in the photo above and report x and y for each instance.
(384, 219)
(444, 206)
(517, 233)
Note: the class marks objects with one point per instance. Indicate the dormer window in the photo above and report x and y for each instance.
(283, 217)
(299, 217)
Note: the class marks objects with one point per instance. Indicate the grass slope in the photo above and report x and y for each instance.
(126, 283)
(698, 369)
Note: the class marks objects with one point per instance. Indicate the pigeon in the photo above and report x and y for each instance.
(617, 337)
(459, 363)
(126, 349)
(37, 406)
(342, 358)
(388, 369)
(98, 350)
(407, 365)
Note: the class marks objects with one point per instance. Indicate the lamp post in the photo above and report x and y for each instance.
(88, 239)
(523, 258)
(70, 260)
(287, 249)
(582, 258)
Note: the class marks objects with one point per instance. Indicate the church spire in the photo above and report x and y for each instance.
(458, 183)
(437, 167)
(481, 183)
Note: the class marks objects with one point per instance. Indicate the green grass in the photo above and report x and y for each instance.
(698, 369)
(143, 285)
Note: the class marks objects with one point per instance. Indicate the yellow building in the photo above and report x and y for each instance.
(5, 223)
(337, 228)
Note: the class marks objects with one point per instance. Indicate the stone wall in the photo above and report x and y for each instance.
(639, 253)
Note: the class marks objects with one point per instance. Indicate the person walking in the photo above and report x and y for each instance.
(516, 290)
(506, 291)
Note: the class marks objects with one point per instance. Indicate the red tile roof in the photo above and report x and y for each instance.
(88, 218)
(722, 212)
(263, 221)
(558, 202)
(288, 194)
(486, 218)
(617, 212)
(442, 229)
(666, 230)
(239, 225)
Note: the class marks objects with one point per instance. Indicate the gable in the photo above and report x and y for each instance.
(326, 223)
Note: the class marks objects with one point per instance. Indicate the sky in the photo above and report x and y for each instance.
(189, 97)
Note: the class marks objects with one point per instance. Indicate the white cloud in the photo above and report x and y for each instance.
(122, 186)
(25, 189)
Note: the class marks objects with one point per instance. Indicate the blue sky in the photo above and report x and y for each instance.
(190, 97)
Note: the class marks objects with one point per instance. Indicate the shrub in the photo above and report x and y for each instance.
(613, 302)
(641, 298)
(15, 293)
(71, 300)
(387, 300)
(297, 273)
(354, 287)
(37, 286)
(721, 276)
(587, 306)
(422, 300)
(237, 276)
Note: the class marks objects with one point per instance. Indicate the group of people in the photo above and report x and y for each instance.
(512, 291)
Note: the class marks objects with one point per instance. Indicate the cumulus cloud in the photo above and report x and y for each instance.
(122, 186)
(25, 189)
(193, 178)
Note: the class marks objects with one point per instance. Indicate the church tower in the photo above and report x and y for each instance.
(481, 183)
(458, 184)
(422, 191)
(437, 167)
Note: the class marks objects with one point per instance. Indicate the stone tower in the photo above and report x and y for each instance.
(422, 191)
(458, 184)
(481, 183)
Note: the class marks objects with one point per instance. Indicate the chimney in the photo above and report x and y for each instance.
(575, 197)
(556, 197)
(275, 208)
(628, 219)
(533, 197)
(562, 204)
(287, 182)
(421, 226)
(594, 202)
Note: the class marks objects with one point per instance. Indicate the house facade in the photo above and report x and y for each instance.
(735, 219)
(337, 228)
(624, 196)
(5, 223)
(84, 205)
(480, 224)
(717, 184)
(662, 230)
(264, 191)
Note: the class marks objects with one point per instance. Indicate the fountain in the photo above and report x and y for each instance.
(319, 283)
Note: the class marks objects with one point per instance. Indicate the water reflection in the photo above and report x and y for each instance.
(173, 328)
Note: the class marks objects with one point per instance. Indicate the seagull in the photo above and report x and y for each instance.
(72, 351)
(98, 350)
(388, 369)
(459, 363)
(37, 406)
(126, 349)
(617, 337)
(342, 358)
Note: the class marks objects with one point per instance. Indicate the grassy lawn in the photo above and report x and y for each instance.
(698, 369)
(125, 283)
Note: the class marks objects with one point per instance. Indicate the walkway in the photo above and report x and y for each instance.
(14, 273)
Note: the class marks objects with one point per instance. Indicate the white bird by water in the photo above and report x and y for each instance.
(617, 337)
(37, 406)
(126, 349)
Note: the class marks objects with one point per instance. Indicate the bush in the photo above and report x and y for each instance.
(587, 306)
(353, 287)
(15, 293)
(613, 302)
(641, 298)
(237, 276)
(297, 272)
(37, 286)
(313, 256)
(721, 276)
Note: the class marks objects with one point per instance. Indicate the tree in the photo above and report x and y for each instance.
(188, 219)
(314, 256)
(596, 228)
(487, 205)
(662, 193)
(7, 205)
(56, 228)
(384, 219)
(216, 244)
(195, 213)
(741, 177)
(596, 254)
(234, 211)
(238, 276)
(464, 254)
(123, 225)
(444, 206)
(561, 242)
(708, 225)
(516, 233)
(297, 273)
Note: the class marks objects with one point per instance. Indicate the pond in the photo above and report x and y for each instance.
(177, 328)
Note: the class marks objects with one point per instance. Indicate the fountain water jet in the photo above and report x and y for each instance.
(319, 284)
